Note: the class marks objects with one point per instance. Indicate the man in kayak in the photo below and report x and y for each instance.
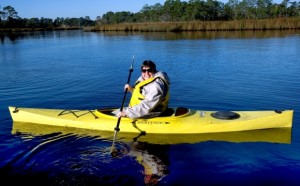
(150, 94)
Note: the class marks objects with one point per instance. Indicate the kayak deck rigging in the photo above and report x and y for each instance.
(67, 111)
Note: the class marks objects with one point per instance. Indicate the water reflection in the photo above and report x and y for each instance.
(80, 152)
(153, 158)
(206, 34)
(15, 36)
(278, 135)
(149, 151)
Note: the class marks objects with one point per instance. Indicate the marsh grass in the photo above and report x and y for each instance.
(266, 24)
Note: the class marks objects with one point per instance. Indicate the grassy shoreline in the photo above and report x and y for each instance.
(237, 25)
(266, 24)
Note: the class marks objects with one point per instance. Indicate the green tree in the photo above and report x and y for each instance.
(263, 9)
(173, 10)
(10, 17)
(108, 17)
(230, 9)
(9, 13)
(45, 22)
(58, 22)
(33, 23)
(294, 9)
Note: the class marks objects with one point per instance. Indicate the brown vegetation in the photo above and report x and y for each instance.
(266, 24)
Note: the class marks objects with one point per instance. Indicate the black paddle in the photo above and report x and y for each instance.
(117, 129)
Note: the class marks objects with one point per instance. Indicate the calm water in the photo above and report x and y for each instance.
(210, 71)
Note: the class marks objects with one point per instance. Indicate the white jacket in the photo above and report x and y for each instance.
(153, 93)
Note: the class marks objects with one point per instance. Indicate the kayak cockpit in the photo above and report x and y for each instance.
(179, 111)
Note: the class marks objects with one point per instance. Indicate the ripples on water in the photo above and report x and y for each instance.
(52, 159)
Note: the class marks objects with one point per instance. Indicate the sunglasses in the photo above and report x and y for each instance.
(146, 70)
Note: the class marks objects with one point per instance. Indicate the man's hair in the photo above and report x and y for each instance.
(149, 64)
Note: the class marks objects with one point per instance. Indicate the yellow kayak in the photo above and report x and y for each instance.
(175, 121)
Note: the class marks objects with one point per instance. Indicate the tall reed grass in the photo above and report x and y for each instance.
(266, 24)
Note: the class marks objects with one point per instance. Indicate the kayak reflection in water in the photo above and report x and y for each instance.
(150, 93)
(154, 159)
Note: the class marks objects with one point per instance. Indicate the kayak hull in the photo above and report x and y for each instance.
(178, 121)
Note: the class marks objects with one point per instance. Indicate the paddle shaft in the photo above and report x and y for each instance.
(121, 109)
(117, 128)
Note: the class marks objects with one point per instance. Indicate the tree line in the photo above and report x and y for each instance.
(9, 19)
(209, 10)
(170, 11)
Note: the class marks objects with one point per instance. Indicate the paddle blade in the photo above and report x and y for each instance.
(113, 150)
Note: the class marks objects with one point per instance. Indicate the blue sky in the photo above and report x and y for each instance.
(74, 8)
(77, 8)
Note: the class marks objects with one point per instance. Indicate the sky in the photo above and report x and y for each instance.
(77, 8)
(74, 8)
